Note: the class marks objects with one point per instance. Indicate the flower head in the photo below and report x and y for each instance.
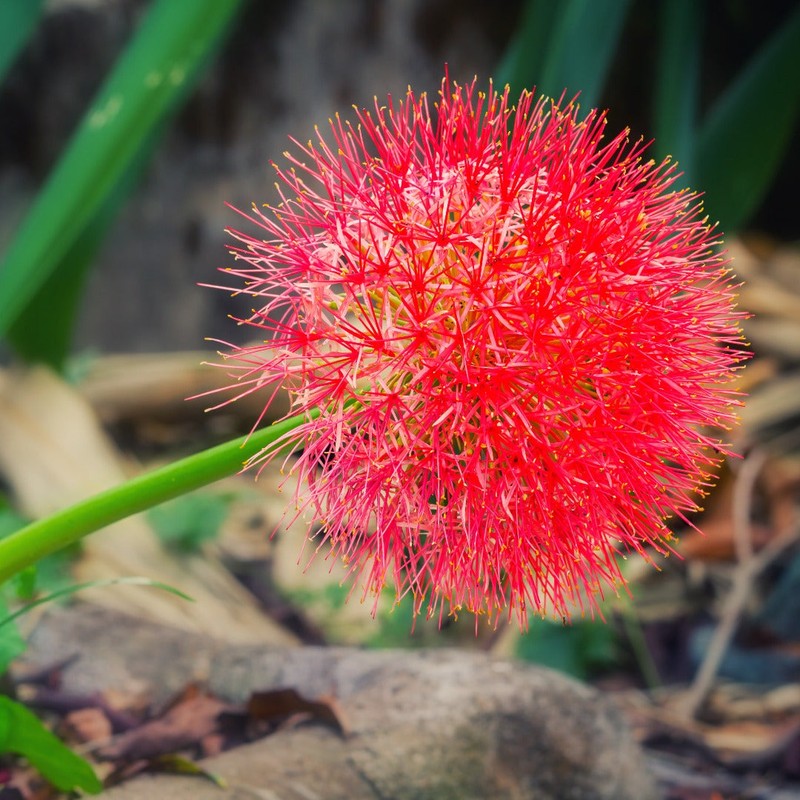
(515, 337)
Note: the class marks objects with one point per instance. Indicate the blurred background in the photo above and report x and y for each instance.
(128, 125)
(274, 69)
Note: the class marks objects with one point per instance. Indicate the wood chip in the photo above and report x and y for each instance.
(53, 452)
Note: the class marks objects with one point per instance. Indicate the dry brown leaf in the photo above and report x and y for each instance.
(767, 297)
(744, 737)
(189, 720)
(277, 704)
(87, 725)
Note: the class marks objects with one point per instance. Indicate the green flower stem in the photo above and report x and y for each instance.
(46, 536)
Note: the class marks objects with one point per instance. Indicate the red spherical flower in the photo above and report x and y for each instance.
(515, 337)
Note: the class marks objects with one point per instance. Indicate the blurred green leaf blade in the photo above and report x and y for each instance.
(154, 74)
(43, 330)
(523, 61)
(677, 83)
(565, 47)
(21, 732)
(583, 48)
(133, 580)
(18, 20)
(745, 135)
(11, 642)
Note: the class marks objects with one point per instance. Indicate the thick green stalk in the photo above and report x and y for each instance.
(46, 536)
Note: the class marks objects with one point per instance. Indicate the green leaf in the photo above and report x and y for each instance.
(746, 133)
(22, 733)
(187, 522)
(523, 62)
(565, 47)
(677, 83)
(154, 74)
(18, 20)
(577, 649)
(175, 764)
(11, 642)
(42, 331)
(58, 299)
(10, 521)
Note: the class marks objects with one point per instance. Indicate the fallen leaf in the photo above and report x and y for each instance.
(185, 724)
(88, 725)
(178, 765)
(278, 704)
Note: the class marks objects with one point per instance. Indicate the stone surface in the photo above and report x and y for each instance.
(435, 724)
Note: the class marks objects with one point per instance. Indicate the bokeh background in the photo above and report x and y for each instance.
(276, 69)
(126, 129)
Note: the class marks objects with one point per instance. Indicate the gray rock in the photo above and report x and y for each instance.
(433, 724)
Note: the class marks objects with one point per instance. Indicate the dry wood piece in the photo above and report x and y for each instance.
(53, 452)
(141, 384)
(750, 565)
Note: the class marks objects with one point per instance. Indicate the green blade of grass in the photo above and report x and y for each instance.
(583, 48)
(134, 580)
(523, 62)
(18, 19)
(745, 135)
(565, 47)
(42, 332)
(677, 83)
(11, 642)
(154, 74)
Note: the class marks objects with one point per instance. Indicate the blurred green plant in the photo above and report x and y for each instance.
(186, 523)
(741, 142)
(18, 20)
(731, 153)
(23, 733)
(564, 47)
(580, 649)
(43, 271)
